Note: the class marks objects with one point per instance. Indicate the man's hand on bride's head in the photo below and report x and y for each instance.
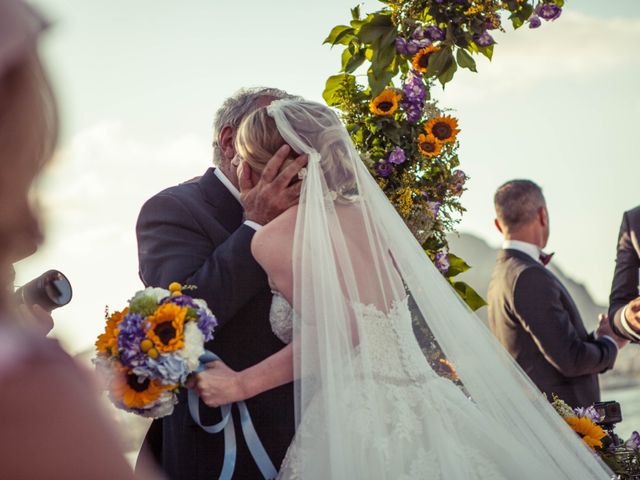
(218, 385)
(274, 192)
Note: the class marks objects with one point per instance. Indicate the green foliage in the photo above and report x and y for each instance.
(386, 48)
(143, 305)
(469, 295)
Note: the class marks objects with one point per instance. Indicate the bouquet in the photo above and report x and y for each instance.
(623, 458)
(148, 349)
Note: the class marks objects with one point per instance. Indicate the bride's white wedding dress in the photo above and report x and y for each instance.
(368, 405)
(433, 431)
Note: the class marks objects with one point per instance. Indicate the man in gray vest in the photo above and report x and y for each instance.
(530, 311)
(624, 309)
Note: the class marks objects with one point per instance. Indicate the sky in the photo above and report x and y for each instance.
(138, 84)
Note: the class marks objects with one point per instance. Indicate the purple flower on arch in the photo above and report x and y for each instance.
(413, 111)
(384, 169)
(459, 179)
(441, 261)
(434, 208)
(434, 33)
(413, 88)
(484, 39)
(548, 11)
(534, 21)
(402, 46)
(397, 156)
(419, 33)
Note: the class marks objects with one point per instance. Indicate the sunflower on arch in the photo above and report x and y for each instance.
(438, 131)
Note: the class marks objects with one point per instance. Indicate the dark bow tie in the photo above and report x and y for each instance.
(546, 258)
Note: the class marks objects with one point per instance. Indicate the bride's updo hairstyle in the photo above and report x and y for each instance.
(258, 139)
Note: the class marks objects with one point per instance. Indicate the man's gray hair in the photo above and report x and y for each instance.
(238, 106)
(517, 203)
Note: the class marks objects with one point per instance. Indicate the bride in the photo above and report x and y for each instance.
(343, 267)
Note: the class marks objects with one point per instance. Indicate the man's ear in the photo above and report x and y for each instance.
(498, 226)
(543, 216)
(226, 142)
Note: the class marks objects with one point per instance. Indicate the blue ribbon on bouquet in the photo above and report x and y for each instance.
(257, 450)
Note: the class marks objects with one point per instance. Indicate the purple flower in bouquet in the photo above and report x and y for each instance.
(634, 441)
(384, 169)
(131, 333)
(588, 412)
(442, 261)
(207, 324)
(397, 156)
(434, 33)
(181, 301)
(548, 11)
(534, 21)
(402, 46)
(484, 39)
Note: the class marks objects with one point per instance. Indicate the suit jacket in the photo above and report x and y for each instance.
(534, 317)
(193, 234)
(625, 279)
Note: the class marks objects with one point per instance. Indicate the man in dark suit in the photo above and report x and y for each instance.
(530, 311)
(198, 233)
(624, 302)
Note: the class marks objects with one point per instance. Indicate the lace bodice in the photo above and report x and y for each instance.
(281, 318)
(387, 339)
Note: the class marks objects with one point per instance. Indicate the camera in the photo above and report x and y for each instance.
(610, 413)
(50, 290)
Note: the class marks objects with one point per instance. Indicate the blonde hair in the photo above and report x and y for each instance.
(258, 139)
(237, 107)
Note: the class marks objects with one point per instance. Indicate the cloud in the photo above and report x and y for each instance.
(573, 47)
(91, 196)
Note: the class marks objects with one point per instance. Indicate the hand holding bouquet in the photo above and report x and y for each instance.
(148, 349)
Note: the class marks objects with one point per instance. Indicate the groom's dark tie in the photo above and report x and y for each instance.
(546, 258)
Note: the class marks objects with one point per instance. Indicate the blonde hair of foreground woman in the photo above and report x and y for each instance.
(52, 422)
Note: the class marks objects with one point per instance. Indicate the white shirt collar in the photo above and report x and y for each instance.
(227, 183)
(525, 247)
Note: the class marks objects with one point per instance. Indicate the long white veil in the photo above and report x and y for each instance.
(351, 249)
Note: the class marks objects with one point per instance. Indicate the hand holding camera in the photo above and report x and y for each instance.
(39, 297)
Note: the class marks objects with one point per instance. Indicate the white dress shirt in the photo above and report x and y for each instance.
(525, 247)
(236, 194)
(534, 252)
(626, 326)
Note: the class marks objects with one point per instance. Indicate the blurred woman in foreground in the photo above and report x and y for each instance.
(51, 423)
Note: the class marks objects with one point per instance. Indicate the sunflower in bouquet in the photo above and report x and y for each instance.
(149, 348)
(623, 458)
